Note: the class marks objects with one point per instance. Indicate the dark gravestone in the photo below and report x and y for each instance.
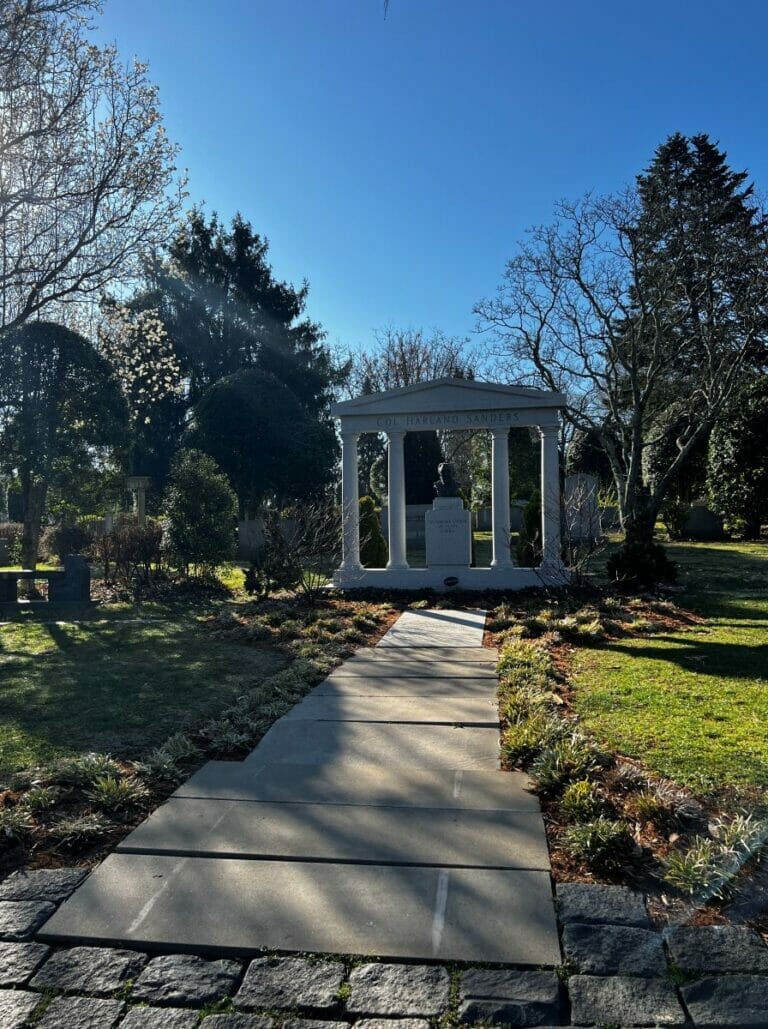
(74, 585)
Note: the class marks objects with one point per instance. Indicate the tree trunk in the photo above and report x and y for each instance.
(640, 515)
(33, 500)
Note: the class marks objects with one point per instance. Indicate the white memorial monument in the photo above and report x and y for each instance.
(451, 404)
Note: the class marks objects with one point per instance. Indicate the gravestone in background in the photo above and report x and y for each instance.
(582, 515)
(703, 524)
(5, 553)
(448, 533)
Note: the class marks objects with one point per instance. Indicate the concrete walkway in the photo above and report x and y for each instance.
(372, 819)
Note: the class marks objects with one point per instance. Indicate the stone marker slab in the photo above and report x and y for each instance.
(436, 629)
(391, 1023)
(728, 1000)
(339, 832)
(51, 884)
(20, 918)
(237, 907)
(702, 949)
(351, 743)
(186, 979)
(16, 1006)
(435, 710)
(96, 970)
(18, 961)
(392, 686)
(399, 990)
(275, 982)
(368, 785)
(624, 1001)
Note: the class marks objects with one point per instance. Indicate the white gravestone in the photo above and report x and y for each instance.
(448, 533)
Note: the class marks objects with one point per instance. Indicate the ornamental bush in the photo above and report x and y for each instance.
(201, 509)
(373, 546)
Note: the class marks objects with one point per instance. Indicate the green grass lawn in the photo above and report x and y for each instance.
(113, 683)
(693, 704)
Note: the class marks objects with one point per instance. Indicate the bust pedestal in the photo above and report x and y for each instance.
(448, 533)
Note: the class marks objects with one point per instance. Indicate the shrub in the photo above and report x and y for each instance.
(15, 825)
(373, 546)
(640, 563)
(42, 798)
(581, 801)
(529, 541)
(602, 844)
(58, 541)
(12, 532)
(561, 762)
(85, 770)
(202, 510)
(117, 796)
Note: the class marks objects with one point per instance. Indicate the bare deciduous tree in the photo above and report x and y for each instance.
(87, 173)
(636, 303)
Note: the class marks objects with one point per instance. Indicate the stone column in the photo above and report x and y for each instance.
(550, 497)
(500, 501)
(396, 499)
(350, 508)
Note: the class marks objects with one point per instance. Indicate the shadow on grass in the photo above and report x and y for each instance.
(120, 687)
(704, 657)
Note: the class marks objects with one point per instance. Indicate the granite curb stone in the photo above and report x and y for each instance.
(81, 1013)
(51, 884)
(93, 970)
(384, 989)
(509, 997)
(728, 1000)
(18, 961)
(15, 1007)
(709, 949)
(160, 1018)
(597, 1000)
(614, 950)
(19, 919)
(290, 983)
(186, 979)
(311, 1023)
(592, 904)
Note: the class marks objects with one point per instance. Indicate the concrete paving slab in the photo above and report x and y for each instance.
(436, 629)
(435, 710)
(406, 686)
(337, 832)
(485, 656)
(369, 785)
(350, 743)
(229, 906)
(413, 669)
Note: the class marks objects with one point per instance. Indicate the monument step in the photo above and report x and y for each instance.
(234, 907)
(436, 629)
(361, 784)
(343, 833)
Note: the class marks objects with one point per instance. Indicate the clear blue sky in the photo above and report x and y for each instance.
(394, 162)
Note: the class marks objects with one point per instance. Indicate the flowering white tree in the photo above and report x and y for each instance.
(87, 173)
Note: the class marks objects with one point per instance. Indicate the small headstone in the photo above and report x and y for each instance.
(703, 524)
(448, 533)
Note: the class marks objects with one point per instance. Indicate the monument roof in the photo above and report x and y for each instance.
(449, 394)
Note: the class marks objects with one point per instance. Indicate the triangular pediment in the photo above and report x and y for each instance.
(449, 395)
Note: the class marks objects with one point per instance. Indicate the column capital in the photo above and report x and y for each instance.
(548, 430)
(350, 434)
(395, 433)
(500, 433)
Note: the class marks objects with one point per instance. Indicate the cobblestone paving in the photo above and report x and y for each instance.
(618, 971)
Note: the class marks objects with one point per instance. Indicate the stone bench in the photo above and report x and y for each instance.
(70, 585)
